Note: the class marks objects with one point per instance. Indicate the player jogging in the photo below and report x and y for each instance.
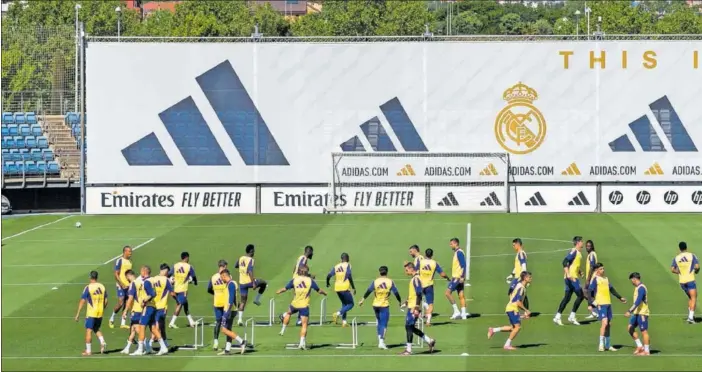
(458, 278)
(95, 296)
(686, 265)
(247, 280)
(122, 264)
(571, 277)
(427, 268)
(520, 266)
(134, 307)
(416, 257)
(218, 289)
(302, 286)
(229, 314)
(146, 295)
(382, 287)
(602, 288)
(183, 273)
(413, 304)
(638, 316)
(163, 288)
(589, 271)
(343, 286)
(512, 309)
(301, 261)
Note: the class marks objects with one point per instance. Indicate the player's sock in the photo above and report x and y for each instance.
(283, 329)
(572, 315)
(102, 340)
(173, 319)
(638, 343)
(241, 315)
(162, 344)
(112, 317)
(497, 330)
(123, 322)
(258, 297)
(87, 348)
(428, 318)
(409, 347)
(463, 311)
(607, 343)
(427, 338)
(140, 347)
(302, 340)
(508, 343)
(691, 314)
(129, 344)
(647, 349)
(425, 305)
(602, 341)
(558, 316)
(227, 346)
(190, 319)
(455, 308)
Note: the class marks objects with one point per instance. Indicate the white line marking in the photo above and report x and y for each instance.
(512, 254)
(35, 228)
(133, 249)
(54, 265)
(346, 355)
(355, 315)
(80, 240)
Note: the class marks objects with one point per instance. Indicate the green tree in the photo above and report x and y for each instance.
(620, 17)
(403, 18)
(511, 24)
(315, 24)
(467, 23)
(564, 26)
(158, 23)
(679, 19)
(540, 27)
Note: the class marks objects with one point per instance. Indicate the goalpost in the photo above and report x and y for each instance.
(370, 182)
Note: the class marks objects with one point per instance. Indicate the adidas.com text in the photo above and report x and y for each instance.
(606, 170)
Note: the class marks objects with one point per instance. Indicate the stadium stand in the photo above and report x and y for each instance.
(37, 148)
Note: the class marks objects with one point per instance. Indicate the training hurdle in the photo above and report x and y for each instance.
(354, 337)
(322, 313)
(420, 341)
(199, 330)
(271, 316)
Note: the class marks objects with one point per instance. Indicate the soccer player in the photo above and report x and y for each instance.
(571, 276)
(163, 287)
(247, 280)
(413, 304)
(218, 289)
(302, 285)
(427, 268)
(686, 265)
(512, 309)
(229, 314)
(520, 266)
(301, 261)
(416, 258)
(183, 273)
(343, 286)
(639, 314)
(122, 264)
(146, 295)
(132, 306)
(458, 278)
(95, 295)
(602, 288)
(382, 287)
(589, 271)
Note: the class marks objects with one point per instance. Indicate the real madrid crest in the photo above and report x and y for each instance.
(520, 128)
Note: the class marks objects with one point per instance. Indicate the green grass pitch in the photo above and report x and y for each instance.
(44, 270)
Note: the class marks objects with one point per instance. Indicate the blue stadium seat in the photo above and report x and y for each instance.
(42, 142)
(9, 167)
(20, 167)
(30, 167)
(72, 118)
(30, 142)
(7, 118)
(36, 130)
(47, 155)
(41, 167)
(24, 156)
(19, 142)
(24, 130)
(20, 118)
(9, 143)
(31, 118)
(13, 129)
(52, 167)
(36, 155)
(13, 155)
(5, 130)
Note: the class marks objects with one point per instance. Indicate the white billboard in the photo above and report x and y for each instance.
(232, 113)
(170, 200)
(553, 199)
(314, 199)
(652, 198)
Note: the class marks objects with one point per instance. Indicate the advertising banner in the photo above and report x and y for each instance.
(170, 200)
(553, 199)
(649, 198)
(227, 113)
(315, 199)
(469, 199)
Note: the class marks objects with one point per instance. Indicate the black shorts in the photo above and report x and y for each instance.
(228, 322)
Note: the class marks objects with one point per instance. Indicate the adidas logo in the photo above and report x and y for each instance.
(572, 170)
(449, 201)
(491, 200)
(406, 171)
(378, 138)
(654, 170)
(579, 199)
(668, 122)
(536, 200)
(490, 170)
(192, 134)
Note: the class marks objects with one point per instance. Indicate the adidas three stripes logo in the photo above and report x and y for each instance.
(449, 201)
(579, 199)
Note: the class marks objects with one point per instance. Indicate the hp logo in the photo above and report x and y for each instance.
(643, 197)
(670, 197)
(616, 197)
(697, 197)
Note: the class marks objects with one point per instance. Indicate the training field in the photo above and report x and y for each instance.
(46, 260)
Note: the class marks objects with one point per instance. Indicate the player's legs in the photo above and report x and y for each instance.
(346, 305)
(244, 295)
(429, 298)
(227, 329)
(133, 330)
(304, 317)
(157, 334)
(119, 306)
(218, 312)
(161, 320)
(631, 328)
(646, 341)
(382, 316)
(513, 329)
(286, 318)
(261, 285)
(692, 303)
(564, 302)
(580, 296)
(411, 330)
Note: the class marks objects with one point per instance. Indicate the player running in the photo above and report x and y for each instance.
(571, 276)
(602, 288)
(512, 309)
(122, 265)
(639, 314)
(163, 288)
(183, 274)
(413, 303)
(95, 296)
(416, 258)
(218, 289)
(134, 307)
(458, 278)
(301, 261)
(589, 271)
(343, 286)
(302, 286)
(520, 266)
(427, 268)
(247, 280)
(229, 314)
(686, 265)
(382, 287)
